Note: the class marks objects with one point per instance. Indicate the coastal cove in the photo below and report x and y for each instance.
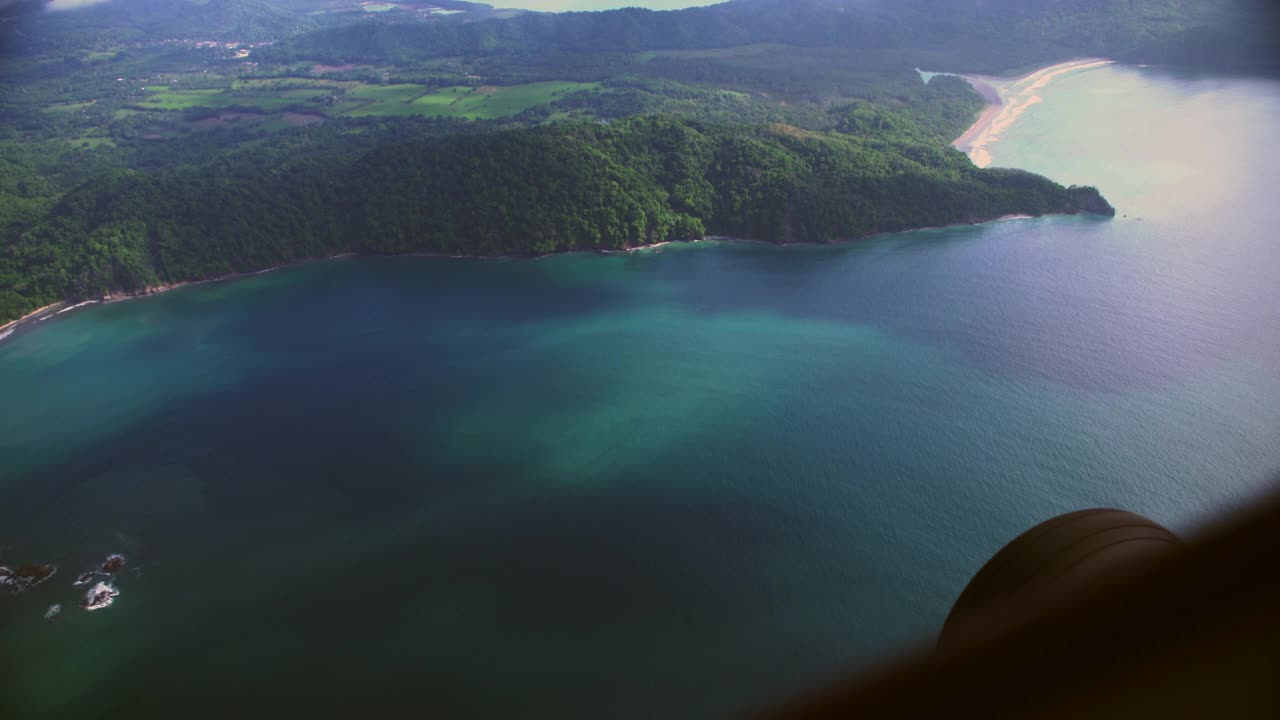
(699, 476)
(50, 312)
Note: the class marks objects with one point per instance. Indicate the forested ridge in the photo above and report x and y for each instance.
(559, 187)
(962, 35)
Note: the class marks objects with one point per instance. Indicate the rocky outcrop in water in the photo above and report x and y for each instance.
(99, 597)
(26, 577)
(110, 566)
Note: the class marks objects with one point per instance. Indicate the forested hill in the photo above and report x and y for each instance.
(567, 186)
(31, 27)
(963, 35)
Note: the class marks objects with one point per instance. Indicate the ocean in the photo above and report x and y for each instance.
(678, 483)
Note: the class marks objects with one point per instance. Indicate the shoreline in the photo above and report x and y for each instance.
(55, 309)
(59, 308)
(1007, 99)
(31, 318)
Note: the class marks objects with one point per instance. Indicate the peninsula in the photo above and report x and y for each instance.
(560, 187)
(144, 145)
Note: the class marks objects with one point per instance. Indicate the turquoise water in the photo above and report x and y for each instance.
(676, 483)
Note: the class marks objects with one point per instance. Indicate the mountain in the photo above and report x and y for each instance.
(967, 35)
(237, 20)
(36, 30)
(961, 35)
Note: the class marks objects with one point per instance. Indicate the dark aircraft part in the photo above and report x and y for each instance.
(1100, 615)
(1060, 556)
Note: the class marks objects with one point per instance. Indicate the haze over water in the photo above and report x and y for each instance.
(673, 483)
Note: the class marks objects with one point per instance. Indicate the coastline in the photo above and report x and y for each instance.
(55, 309)
(1007, 99)
(59, 308)
(32, 317)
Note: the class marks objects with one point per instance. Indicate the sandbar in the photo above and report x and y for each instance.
(1007, 99)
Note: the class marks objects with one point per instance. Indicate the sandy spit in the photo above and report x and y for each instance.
(1007, 100)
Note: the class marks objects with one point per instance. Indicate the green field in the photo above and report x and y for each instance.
(101, 56)
(442, 99)
(69, 107)
(483, 103)
(272, 95)
(292, 83)
(265, 99)
(382, 100)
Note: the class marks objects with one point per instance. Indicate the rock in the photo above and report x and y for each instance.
(113, 563)
(38, 572)
(26, 576)
(99, 596)
(110, 566)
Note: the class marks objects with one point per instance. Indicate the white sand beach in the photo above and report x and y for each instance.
(1008, 99)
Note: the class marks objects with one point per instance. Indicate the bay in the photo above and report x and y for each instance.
(680, 482)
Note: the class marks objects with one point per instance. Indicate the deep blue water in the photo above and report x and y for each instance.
(676, 483)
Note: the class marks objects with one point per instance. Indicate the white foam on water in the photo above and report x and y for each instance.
(100, 596)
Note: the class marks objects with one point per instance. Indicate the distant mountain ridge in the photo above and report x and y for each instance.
(249, 20)
(245, 20)
(966, 35)
(973, 35)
